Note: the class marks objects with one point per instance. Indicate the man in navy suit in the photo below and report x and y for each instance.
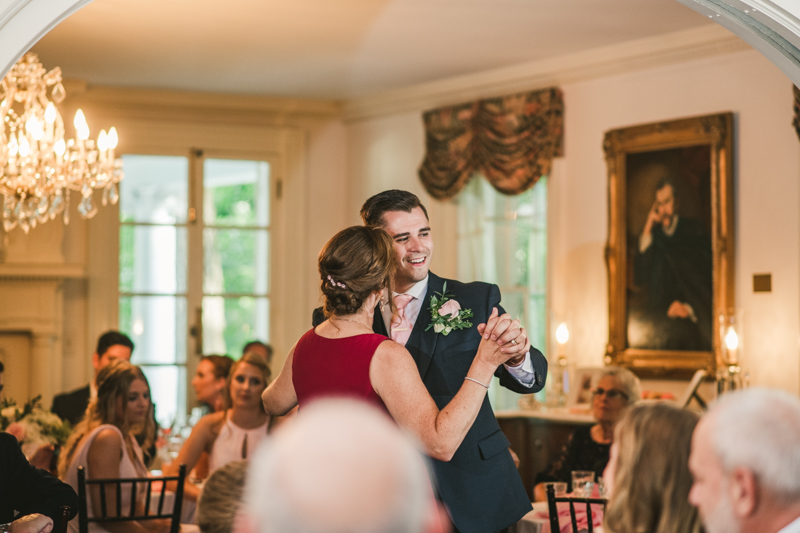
(111, 345)
(480, 486)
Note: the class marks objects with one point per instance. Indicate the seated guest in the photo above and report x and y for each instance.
(111, 345)
(746, 463)
(209, 384)
(234, 433)
(588, 446)
(342, 465)
(261, 348)
(104, 443)
(210, 379)
(36, 495)
(648, 476)
(220, 501)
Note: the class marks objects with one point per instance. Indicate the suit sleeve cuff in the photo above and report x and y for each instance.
(524, 373)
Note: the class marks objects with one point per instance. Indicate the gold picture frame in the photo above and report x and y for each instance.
(663, 316)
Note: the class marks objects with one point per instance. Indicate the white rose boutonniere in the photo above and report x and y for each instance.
(446, 313)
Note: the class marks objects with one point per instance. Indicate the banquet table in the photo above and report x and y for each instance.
(533, 521)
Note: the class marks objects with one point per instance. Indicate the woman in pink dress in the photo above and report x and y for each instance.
(104, 444)
(343, 357)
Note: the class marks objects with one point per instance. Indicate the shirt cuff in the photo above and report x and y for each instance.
(524, 373)
(644, 242)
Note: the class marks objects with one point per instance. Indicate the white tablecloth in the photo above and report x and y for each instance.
(531, 523)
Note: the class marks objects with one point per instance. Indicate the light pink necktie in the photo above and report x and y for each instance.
(401, 326)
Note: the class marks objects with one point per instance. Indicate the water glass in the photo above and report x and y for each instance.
(582, 483)
(559, 487)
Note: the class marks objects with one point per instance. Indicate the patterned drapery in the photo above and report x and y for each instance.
(510, 140)
(796, 121)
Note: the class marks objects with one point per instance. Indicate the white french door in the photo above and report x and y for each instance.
(194, 261)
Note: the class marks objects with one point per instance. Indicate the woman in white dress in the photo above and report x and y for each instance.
(234, 433)
(104, 444)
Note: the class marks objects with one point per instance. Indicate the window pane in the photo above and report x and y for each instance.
(230, 323)
(152, 259)
(236, 193)
(156, 325)
(168, 391)
(236, 261)
(155, 189)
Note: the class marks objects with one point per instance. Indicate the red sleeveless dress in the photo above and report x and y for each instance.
(325, 367)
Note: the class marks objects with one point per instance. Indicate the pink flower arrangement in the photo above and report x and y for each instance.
(16, 429)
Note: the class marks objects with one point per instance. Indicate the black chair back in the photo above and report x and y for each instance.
(117, 514)
(552, 500)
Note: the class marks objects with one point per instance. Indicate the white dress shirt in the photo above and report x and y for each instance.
(524, 372)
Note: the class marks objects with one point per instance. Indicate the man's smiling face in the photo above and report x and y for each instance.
(413, 244)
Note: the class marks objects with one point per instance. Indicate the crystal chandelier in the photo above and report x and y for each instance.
(39, 166)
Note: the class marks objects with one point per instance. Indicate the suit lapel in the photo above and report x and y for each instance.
(377, 321)
(422, 344)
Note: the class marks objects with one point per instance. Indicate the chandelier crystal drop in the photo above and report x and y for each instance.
(39, 166)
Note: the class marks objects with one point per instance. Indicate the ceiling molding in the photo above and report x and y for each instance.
(136, 101)
(705, 41)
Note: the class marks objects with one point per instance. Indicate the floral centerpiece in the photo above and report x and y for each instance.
(32, 425)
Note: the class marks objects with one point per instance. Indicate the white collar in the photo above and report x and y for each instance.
(418, 289)
(670, 231)
(793, 527)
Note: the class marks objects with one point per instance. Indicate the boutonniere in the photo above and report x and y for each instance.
(446, 313)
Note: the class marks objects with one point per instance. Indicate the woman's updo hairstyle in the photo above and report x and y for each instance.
(352, 265)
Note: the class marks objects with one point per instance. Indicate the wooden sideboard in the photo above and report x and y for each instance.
(538, 436)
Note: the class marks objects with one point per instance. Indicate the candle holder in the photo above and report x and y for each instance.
(559, 372)
(729, 373)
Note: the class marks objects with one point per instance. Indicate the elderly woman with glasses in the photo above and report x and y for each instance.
(588, 446)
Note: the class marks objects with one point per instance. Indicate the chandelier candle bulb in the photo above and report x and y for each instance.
(102, 144)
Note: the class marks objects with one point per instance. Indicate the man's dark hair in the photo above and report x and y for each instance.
(112, 338)
(2, 367)
(663, 182)
(392, 200)
(264, 345)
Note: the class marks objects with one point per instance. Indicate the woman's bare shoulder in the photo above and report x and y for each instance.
(210, 421)
(107, 440)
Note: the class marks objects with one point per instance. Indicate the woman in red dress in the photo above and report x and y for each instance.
(343, 357)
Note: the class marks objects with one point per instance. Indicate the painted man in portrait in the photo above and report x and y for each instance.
(673, 266)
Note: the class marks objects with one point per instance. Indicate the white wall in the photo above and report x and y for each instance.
(386, 151)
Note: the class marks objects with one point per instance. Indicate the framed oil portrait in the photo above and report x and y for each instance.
(670, 250)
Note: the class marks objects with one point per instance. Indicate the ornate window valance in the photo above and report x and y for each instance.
(510, 140)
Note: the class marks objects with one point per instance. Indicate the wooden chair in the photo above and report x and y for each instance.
(101, 515)
(61, 525)
(552, 500)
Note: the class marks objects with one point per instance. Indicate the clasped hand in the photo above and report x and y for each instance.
(511, 343)
(32, 523)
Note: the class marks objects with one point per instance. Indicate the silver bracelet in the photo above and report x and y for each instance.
(478, 382)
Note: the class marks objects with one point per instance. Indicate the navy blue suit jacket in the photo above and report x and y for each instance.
(480, 486)
(27, 489)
